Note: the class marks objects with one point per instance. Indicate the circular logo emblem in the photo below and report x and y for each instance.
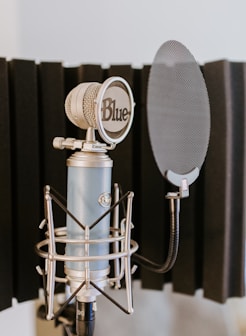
(115, 109)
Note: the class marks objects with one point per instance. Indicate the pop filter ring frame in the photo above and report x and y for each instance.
(180, 180)
(98, 107)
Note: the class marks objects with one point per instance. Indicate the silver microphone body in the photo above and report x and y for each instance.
(88, 196)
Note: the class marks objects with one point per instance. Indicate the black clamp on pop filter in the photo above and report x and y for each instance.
(178, 116)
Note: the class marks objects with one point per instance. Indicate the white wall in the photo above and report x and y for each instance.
(9, 29)
(126, 31)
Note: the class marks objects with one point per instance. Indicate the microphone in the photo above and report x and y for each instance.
(88, 236)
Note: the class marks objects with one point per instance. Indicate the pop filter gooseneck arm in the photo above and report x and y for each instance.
(173, 241)
(179, 128)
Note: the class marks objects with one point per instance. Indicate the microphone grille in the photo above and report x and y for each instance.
(80, 105)
(89, 104)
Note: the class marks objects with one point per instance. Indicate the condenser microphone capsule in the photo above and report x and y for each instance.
(80, 105)
(107, 107)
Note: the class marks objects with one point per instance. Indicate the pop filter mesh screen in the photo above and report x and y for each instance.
(178, 110)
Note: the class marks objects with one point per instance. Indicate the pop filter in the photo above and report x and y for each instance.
(178, 114)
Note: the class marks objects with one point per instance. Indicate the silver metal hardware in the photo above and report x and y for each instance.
(123, 248)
